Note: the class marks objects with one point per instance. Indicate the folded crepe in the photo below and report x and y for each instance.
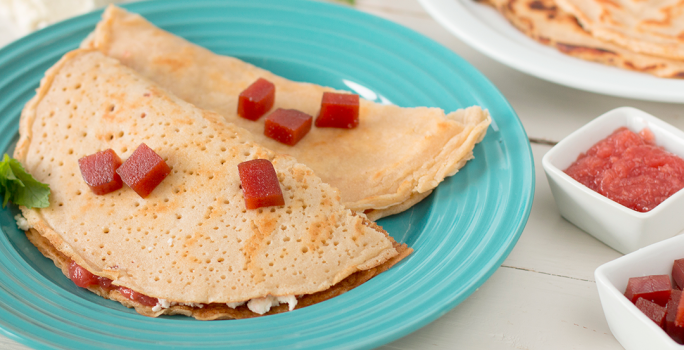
(652, 27)
(391, 161)
(547, 23)
(191, 243)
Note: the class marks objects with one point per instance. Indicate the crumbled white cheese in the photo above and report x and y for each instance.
(197, 305)
(170, 241)
(263, 305)
(258, 305)
(235, 304)
(161, 304)
(290, 300)
(22, 223)
(164, 303)
(29, 15)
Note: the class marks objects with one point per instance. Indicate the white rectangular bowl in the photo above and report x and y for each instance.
(621, 228)
(633, 329)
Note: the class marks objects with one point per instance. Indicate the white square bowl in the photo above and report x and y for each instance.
(633, 329)
(621, 228)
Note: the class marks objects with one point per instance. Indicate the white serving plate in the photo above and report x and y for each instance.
(486, 30)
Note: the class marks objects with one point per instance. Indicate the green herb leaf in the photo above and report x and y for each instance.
(19, 187)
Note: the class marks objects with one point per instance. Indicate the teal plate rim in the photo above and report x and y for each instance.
(461, 233)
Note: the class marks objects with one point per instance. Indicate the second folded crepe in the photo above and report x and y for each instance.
(391, 161)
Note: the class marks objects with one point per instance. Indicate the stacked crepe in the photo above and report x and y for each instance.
(192, 243)
(644, 36)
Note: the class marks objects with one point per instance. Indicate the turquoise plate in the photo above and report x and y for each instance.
(460, 234)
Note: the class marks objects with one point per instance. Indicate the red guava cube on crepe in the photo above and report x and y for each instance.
(260, 184)
(287, 126)
(256, 99)
(143, 170)
(673, 330)
(99, 171)
(653, 311)
(678, 273)
(655, 288)
(338, 111)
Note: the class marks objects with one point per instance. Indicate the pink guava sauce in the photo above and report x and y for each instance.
(630, 169)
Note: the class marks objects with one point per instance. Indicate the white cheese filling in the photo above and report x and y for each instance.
(29, 15)
(161, 304)
(22, 223)
(235, 304)
(263, 305)
(165, 304)
(257, 305)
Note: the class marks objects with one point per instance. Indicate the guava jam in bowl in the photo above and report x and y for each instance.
(651, 208)
(630, 169)
(630, 326)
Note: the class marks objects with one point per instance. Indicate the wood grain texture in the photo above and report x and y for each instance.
(517, 309)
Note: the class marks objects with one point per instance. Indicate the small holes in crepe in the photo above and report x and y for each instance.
(217, 225)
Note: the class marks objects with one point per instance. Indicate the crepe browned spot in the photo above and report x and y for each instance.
(545, 22)
(192, 241)
(653, 27)
(392, 160)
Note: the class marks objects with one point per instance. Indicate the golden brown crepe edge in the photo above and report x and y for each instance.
(28, 116)
(451, 158)
(221, 311)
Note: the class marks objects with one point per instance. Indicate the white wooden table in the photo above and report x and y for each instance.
(544, 295)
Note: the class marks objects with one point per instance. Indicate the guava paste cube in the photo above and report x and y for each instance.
(338, 111)
(80, 276)
(260, 184)
(679, 318)
(675, 332)
(143, 170)
(653, 311)
(678, 273)
(256, 99)
(99, 171)
(287, 126)
(655, 288)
